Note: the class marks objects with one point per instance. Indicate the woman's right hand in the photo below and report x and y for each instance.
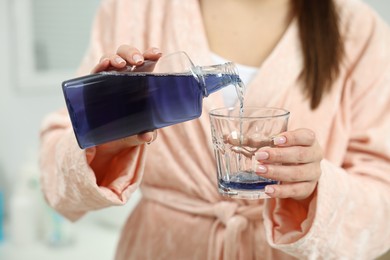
(126, 55)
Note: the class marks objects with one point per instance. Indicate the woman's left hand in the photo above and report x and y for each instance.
(294, 161)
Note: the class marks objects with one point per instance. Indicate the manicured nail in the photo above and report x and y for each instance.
(119, 60)
(156, 51)
(269, 189)
(151, 140)
(104, 60)
(261, 169)
(280, 140)
(138, 58)
(261, 156)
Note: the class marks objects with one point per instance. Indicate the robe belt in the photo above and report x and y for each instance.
(233, 216)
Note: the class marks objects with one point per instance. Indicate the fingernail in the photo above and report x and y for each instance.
(261, 169)
(104, 60)
(269, 189)
(138, 58)
(261, 156)
(280, 140)
(151, 140)
(156, 51)
(119, 60)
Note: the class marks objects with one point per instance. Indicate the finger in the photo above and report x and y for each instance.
(152, 53)
(132, 55)
(109, 61)
(114, 146)
(134, 140)
(105, 57)
(290, 173)
(148, 137)
(102, 65)
(302, 136)
(117, 61)
(297, 190)
(139, 139)
(289, 155)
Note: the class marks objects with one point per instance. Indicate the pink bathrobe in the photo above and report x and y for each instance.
(181, 214)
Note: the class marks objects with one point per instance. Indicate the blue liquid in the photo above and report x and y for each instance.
(104, 107)
(245, 181)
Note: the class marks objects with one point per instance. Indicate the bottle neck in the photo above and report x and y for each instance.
(215, 77)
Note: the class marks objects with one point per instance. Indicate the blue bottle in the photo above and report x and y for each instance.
(111, 105)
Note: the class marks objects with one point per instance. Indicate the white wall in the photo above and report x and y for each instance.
(382, 7)
(21, 113)
(22, 108)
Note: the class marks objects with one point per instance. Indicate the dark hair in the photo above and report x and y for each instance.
(321, 44)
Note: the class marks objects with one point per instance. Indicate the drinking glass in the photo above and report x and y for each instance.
(237, 134)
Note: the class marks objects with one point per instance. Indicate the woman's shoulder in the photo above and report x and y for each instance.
(358, 17)
(366, 39)
(362, 29)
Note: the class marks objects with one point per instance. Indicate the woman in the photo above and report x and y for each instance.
(326, 62)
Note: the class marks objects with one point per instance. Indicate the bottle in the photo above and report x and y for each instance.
(24, 210)
(111, 105)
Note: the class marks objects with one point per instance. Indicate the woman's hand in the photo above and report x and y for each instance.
(294, 161)
(104, 154)
(124, 56)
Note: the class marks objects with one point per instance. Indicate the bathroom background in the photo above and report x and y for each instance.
(41, 44)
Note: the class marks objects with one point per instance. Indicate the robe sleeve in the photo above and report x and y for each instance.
(349, 215)
(68, 182)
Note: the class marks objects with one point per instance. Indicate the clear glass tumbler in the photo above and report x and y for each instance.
(237, 134)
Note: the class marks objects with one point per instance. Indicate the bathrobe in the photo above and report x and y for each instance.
(181, 214)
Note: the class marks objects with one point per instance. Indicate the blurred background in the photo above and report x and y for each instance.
(41, 44)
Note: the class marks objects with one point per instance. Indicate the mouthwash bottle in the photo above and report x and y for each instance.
(111, 105)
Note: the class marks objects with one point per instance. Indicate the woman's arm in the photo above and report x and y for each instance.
(348, 215)
(75, 181)
(69, 183)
